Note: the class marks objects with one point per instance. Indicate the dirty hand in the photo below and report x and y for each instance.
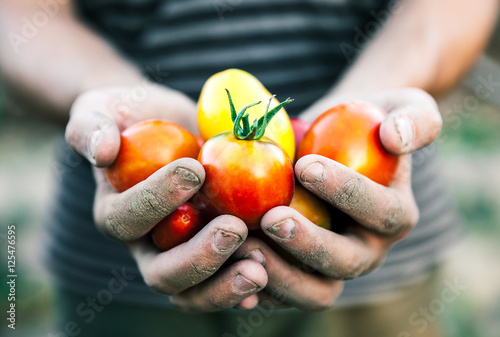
(190, 273)
(382, 215)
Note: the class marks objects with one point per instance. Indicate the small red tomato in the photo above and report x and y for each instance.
(146, 147)
(178, 227)
(349, 134)
(247, 173)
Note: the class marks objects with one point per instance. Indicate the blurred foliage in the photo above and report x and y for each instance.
(481, 211)
(475, 131)
(471, 140)
(459, 320)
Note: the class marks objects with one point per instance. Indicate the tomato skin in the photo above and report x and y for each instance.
(178, 227)
(214, 114)
(146, 147)
(300, 128)
(245, 178)
(349, 134)
(312, 207)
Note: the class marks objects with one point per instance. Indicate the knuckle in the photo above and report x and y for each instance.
(414, 216)
(116, 228)
(281, 292)
(390, 219)
(156, 284)
(323, 300)
(218, 302)
(350, 192)
(149, 202)
(319, 258)
(397, 220)
(201, 271)
(353, 267)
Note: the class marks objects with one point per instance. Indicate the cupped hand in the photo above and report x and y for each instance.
(379, 216)
(190, 273)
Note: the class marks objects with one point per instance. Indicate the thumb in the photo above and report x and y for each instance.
(92, 132)
(410, 127)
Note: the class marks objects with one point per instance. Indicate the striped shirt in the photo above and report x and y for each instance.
(295, 48)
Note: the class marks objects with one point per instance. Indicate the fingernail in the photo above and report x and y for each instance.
(285, 229)
(256, 255)
(226, 240)
(243, 284)
(313, 173)
(92, 144)
(185, 179)
(404, 129)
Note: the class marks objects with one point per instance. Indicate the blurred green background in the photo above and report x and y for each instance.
(469, 145)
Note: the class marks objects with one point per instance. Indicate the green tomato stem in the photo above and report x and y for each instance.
(241, 124)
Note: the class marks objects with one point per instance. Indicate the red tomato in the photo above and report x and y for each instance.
(349, 133)
(178, 227)
(146, 147)
(245, 178)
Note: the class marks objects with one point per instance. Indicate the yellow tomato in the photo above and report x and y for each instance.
(214, 115)
(312, 207)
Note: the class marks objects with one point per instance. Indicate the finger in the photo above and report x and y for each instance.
(288, 285)
(92, 132)
(387, 210)
(338, 256)
(249, 303)
(412, 123)
(131, 214)
(192, 262)
(226, 289)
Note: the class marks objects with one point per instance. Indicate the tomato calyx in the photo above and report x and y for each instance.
(241, 125)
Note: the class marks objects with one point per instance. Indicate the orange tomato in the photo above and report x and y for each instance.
(310, 206)
(146, 147)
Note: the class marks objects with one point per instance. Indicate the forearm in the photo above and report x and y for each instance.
(61, 61)
(427, 44)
